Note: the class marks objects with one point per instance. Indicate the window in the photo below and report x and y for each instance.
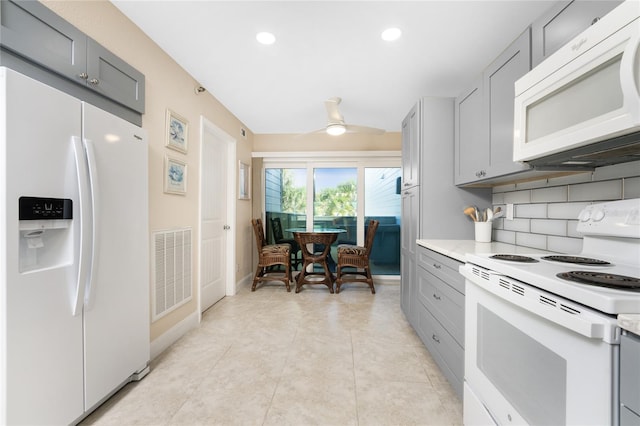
(342, 195)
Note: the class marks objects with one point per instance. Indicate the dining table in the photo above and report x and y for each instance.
(316, 250)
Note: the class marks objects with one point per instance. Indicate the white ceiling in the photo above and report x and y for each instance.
(331, 48)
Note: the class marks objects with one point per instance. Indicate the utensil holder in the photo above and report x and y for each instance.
(483, 232)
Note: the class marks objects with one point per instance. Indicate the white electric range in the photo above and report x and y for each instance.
(541, 335)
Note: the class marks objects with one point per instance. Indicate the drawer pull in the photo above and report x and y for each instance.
(435, 338)
(435, 296)
(435, 265)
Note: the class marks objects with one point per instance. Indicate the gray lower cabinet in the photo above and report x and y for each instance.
(410, 203)
(564, 21)
(630, 380)
(440, 313)
(32, 31)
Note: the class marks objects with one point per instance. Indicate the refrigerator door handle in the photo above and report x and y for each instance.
(85, 232)
(89, 296)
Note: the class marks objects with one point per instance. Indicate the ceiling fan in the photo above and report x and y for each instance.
(336, 125)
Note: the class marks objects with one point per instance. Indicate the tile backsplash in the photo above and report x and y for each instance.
(545, 211)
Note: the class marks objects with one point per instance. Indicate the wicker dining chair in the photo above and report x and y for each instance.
(278, 236)
(356, 257)
(270, 255)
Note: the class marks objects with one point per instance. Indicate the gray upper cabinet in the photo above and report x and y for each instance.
(471, 136)
(499, 84)
(563, 22)
(411, 148)
(114, 78)
(484, 117)
(34, 32)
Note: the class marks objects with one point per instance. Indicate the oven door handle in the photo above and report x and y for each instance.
(541, 303)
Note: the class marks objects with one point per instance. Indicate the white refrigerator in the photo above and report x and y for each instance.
(74, 254)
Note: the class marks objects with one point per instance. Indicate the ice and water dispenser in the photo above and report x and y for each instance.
(46, 239)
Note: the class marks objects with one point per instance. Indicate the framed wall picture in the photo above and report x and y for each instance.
(244, 181)
(175, 176)
(177, 132)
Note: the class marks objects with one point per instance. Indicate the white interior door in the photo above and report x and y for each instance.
(214, 223)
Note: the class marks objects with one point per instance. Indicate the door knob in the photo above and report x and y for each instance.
(226, 227)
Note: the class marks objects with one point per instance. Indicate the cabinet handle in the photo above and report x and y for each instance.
(596, 19)
(435, 296)
(407, 184)
(83, 75)
(435, 338)
(435, 265)
(94, 81)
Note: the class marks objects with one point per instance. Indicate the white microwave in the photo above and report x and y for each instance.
(582, 104)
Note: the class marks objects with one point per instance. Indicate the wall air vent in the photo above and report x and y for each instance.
(171, 270)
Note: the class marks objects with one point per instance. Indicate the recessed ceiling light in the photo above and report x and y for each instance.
(391, 34)
(265, 38)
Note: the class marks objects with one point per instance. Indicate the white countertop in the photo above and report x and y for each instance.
(630, 322)
(458, 248)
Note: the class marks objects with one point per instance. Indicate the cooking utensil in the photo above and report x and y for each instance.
(489, 214)
(471, 212)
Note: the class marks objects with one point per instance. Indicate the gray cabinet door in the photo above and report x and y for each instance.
(563, 22)
(471, 138)
(114, 78)
(410, 220)
(407, 285)
(33, 31)
(630, 372)
(411, 148)
(499, 80)
(410, 204)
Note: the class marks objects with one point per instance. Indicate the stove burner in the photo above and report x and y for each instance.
(602, 279)
(514, 258)
(577, 260)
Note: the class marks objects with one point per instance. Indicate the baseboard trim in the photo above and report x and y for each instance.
(168, 338)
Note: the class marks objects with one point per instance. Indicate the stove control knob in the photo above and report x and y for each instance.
(598, 215)
(584, 216)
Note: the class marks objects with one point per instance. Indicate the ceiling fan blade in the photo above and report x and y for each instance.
(364, 129)
(315, 132)
(332, 110)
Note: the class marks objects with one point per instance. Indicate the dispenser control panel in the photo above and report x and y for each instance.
(37, 208)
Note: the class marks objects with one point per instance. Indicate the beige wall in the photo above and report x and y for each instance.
(167, 86)
(390, 141)
(170, 86)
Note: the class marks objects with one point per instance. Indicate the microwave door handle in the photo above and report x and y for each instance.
(627, 79)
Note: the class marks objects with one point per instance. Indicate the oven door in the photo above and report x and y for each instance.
(528, 369)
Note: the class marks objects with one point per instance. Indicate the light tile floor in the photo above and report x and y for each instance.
(275, 358)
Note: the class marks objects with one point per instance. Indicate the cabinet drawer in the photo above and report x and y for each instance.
(442, 267)
(445, 303)
(443, 348)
